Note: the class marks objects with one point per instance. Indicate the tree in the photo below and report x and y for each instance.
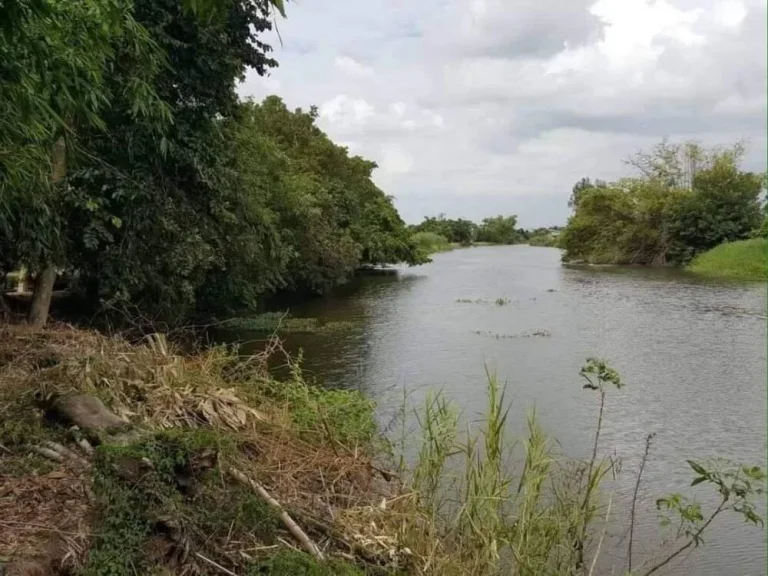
(498, 230)
(458, 231)
(687, 199)
(580, 187)
(724, 206)
(55, 58)
(176, 199)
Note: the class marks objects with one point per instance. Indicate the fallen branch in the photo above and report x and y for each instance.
(215, 565)
(287, 521)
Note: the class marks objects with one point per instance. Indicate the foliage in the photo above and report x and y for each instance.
(543, 237)
(331, 217)
(741, 260)
(345, 417)
(486, 504)
(499, 230)
(582, 186)
(430, 242)
(295, 563)
(56, 60)
(687, 200)
(457, 231)
(141, 492)
(203, 214)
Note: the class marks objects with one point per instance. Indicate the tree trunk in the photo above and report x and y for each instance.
(41, 298)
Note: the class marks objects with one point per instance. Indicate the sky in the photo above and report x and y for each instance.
(475, 108)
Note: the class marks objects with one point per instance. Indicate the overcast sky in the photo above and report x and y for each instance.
(480, 107)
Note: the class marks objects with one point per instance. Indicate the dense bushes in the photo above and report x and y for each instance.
(429, 242)
(170, 194)
(686, 200)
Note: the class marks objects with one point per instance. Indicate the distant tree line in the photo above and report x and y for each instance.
(684, 200)
(494, 230)
(128, 162)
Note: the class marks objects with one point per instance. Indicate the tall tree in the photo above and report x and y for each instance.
(55, 58)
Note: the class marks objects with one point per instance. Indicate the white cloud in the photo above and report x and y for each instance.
(352, 67)
(513, 102)
(354, 115)
(395, 160)
(347, 113)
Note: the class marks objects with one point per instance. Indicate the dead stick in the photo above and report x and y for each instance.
(216, 565)
(287, 521)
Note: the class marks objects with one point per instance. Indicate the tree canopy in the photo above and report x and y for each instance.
(685, 200)
(128, 161)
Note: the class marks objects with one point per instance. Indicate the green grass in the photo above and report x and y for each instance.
(741, 260)
(347, 417)
(164, 487)
(294, 563)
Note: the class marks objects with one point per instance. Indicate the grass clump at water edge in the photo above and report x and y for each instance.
(486, 504)
(165, 496)
(741, 260)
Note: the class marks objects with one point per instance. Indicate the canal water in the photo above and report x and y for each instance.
(692, 354)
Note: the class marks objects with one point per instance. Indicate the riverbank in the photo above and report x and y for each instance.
(192, 454)
(203, 463)
(745, 260)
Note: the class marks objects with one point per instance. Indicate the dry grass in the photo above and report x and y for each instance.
(154, 387)
(40, 512)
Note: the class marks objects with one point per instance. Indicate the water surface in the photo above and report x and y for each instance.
(692, 354)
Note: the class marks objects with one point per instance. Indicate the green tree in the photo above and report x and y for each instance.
(498, 230)
(176, 200)
(55, 60)
(459, 231)
(334, 218)
(582, 186)
(686, 199)
(724, 206)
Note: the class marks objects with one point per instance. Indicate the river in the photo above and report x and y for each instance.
(692, 354)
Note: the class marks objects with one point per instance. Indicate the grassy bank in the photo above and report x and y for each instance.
(742, 260)
(210, 466)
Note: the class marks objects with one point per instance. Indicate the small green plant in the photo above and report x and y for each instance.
(498, 301)
(294, 563)
(341, 416)
(157, 486)
(737, 486)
